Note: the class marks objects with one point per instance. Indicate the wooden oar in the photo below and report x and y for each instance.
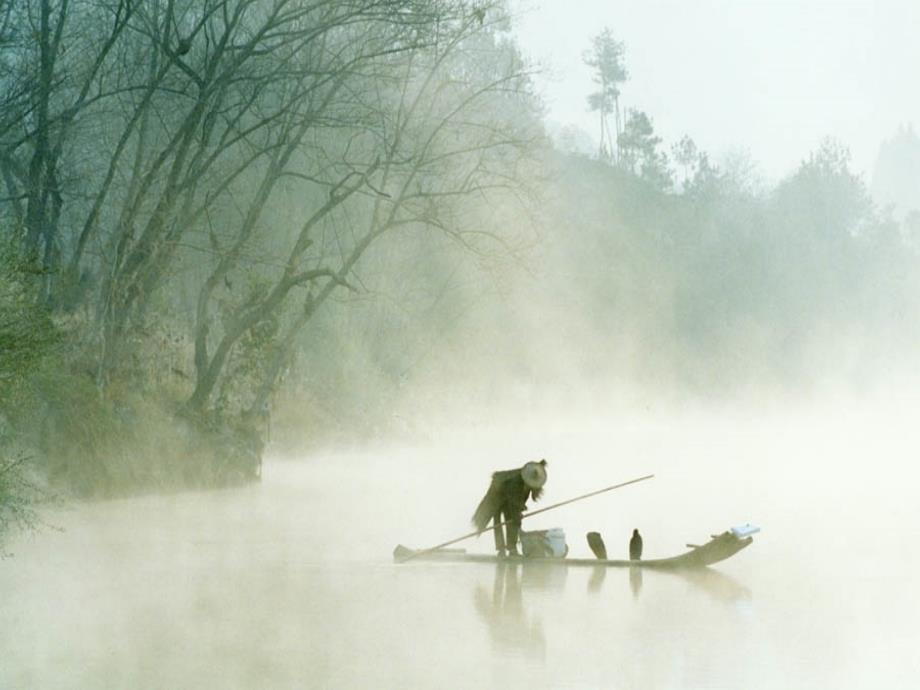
(403, 554)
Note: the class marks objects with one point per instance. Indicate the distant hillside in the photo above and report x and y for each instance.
(896, 177)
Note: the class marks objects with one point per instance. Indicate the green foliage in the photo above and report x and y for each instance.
(27, 333)
(19, 495)
(187, 221)
(725, 285)
(606, 60)
(640, 152)
(27, 338)
(824, 197)
(59, 434)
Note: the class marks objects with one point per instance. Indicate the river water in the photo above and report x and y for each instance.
(290, 584)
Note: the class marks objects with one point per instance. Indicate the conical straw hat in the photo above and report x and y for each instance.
(534, 474)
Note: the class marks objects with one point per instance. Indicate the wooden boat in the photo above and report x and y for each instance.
(720, 547)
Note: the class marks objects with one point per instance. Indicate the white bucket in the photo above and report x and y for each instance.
(555, 537)
(548, 543)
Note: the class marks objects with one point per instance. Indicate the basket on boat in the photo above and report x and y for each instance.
(547, 543)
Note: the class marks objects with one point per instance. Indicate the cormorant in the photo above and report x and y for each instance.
(596, 542)
(635, 546)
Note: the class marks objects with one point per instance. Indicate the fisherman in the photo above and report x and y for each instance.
(635, 546)
(506, 500)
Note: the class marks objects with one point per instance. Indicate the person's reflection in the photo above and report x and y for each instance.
(504, 614)
(635, 580)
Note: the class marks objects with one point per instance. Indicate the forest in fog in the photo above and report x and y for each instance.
(225, 221)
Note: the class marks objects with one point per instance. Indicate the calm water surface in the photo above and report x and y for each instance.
(289, 584)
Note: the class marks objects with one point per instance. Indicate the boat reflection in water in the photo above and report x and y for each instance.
(541, 576)
(514, 628)
(716, 584)
(598, 575)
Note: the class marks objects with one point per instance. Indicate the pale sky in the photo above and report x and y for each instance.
(772, 77)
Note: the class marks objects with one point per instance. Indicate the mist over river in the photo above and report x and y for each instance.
(290, 583)
(283, 282)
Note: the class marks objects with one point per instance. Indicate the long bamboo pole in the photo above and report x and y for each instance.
(412, 554)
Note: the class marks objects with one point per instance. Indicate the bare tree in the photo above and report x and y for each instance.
(262, 145)
(243, 80)
(606, 60)
(50, 89)
(455, 127)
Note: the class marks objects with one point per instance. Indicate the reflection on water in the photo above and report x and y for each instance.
(510, 627)
(635, 581)
(598, 575)
(718, 585)
(508, 608)
(261, 588)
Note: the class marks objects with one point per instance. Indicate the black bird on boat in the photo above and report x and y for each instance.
(635, 546)
(720, 547)
(596, 544)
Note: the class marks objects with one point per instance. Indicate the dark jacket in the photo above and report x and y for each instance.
(505, 500)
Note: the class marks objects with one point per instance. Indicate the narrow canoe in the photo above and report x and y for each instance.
(720, 547)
